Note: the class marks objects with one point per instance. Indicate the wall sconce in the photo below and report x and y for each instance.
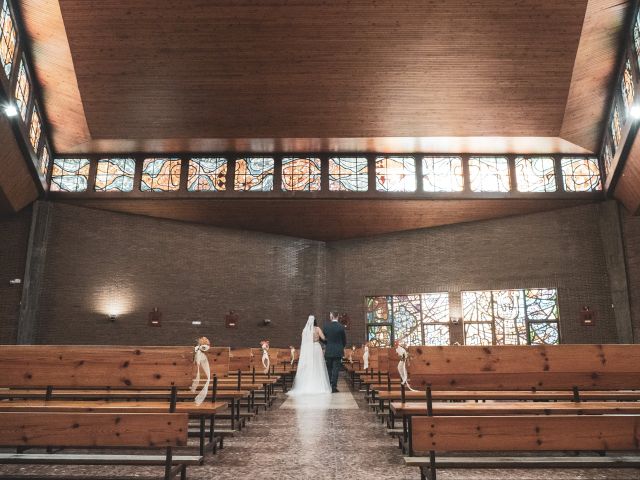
(112, 317)
(155, 317)
(455, 320)
(231, 319)
(587, 316)
(266, 322)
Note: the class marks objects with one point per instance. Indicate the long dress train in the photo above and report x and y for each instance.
(311, 376)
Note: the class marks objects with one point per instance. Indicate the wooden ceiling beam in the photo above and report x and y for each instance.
(627, 186)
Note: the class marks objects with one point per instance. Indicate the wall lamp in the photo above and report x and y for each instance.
(10, 110)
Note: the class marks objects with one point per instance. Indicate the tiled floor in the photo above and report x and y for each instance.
(327, 439)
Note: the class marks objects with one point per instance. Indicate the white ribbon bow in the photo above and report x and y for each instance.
(266, 363)
(201, 360)
(402, 366)
(365, 357)
(293, 356)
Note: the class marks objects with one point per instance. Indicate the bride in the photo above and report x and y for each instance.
(311, 375)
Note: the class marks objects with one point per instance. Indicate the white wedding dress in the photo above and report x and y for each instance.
(311, 376)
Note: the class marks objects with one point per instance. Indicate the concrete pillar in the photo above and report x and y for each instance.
(34, 269)
(611, 235)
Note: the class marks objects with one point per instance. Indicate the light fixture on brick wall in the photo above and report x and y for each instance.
(112, 317)
(587, 316)
(155, 317)
(231, 319)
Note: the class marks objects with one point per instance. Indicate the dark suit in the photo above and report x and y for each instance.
(336, 341)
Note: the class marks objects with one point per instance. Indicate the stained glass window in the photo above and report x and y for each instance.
(70, 175)
(442, 174)
(489, 174)
(435, 318)
(300, 174)
(35, 129)
(115, 174)
(415, 319)
(636, 37)
(161, 174)
(395, 174)
(511, 317)
(207, 174)
(535, 174)
(628, 91)
(254, 174)
(349, 174)
(43, 161)
(23, 90)
(7, 38)
(581, 174)
(608, 158)
(616, 127)
(407, 325)
(379, 335)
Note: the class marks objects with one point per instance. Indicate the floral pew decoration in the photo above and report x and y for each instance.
(266, 362)
(292, 349)
(365, 357)
(201, 361)
(403, 355)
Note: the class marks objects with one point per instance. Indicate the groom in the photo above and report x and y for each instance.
(336, 341)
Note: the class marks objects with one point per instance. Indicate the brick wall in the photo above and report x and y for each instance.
(631, 239)
(100, 261)
(14, 237)
(559, 249)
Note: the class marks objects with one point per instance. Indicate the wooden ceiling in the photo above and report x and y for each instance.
(530, 76)
(327, 220)
(17, 185)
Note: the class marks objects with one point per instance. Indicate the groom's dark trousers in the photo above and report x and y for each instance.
(336, 339)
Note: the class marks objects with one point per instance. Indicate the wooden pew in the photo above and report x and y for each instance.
(522, 434)
(163, 431)
(64, 372)
(546, 372)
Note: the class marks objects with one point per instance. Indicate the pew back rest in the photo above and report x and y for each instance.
(241, 359)
(526, 433)
(42, 429)
(543, 367)
(69, 366)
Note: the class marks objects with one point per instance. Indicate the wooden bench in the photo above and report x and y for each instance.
(545, 372)
(524, 434)
(567, 373)
(62, 373)
(163, 431)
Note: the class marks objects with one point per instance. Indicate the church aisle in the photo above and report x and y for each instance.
(341, 440)
(319, 441)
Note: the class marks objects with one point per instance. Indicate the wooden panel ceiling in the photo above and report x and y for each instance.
(55, 72)
(155, 76)
(593, 73)
(327, 220)
(17, 186)
(156, 69)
